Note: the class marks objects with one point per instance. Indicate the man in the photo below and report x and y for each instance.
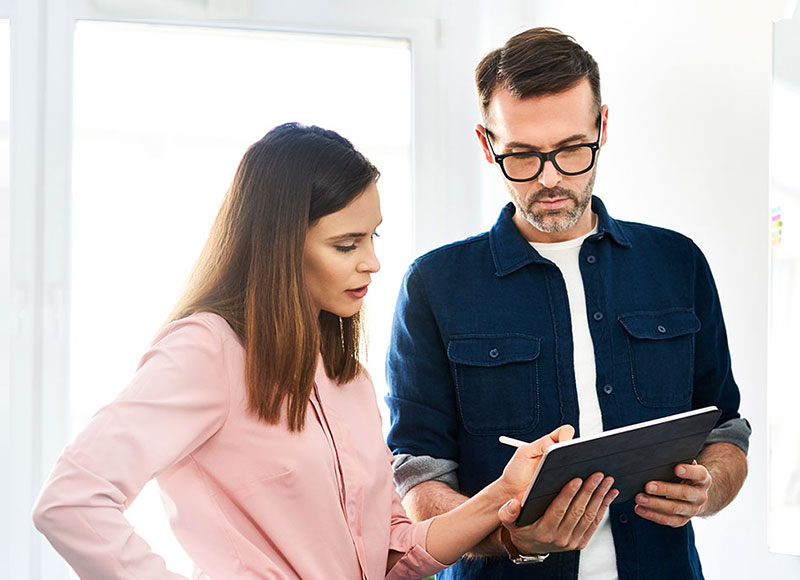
(559, 315)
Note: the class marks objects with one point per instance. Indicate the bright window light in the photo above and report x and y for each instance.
(162, 116)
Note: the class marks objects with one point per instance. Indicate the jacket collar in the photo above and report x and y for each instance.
(511, 251)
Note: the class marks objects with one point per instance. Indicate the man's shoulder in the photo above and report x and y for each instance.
(641, 232)
(454, 251)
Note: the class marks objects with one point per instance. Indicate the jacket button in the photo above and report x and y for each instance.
(494, 353)
(598, 316)
(591, 259)
(661, 329)
(623, 519)
(608, 389)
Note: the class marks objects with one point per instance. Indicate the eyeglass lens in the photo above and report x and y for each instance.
(574, 159)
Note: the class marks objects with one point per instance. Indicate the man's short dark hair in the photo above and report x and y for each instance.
(534, 63)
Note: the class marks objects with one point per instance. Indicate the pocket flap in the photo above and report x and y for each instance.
(492, 350)
(660, 324)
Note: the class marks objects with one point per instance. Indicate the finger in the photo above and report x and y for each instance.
(577, 507)
(673, 521)
(607, 501)
(678, 491)
(592, 513)
(558, 507)
(697, 474)
(509, 512)
(537, 448)
(670, 507)
(563, 433)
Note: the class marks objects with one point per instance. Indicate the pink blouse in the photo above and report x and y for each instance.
(247, 500)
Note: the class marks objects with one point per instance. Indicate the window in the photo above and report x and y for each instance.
(162, 115)
(783, 397)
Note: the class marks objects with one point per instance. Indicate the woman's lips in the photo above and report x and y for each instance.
(357, 293)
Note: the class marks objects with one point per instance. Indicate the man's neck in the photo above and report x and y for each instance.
(583, 226)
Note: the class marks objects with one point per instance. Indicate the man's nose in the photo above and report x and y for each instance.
(550, 176)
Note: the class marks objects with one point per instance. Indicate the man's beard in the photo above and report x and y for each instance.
(557, 220)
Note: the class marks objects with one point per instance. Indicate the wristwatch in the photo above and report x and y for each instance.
(513, 552)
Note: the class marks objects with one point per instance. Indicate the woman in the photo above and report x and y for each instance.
(252, 409)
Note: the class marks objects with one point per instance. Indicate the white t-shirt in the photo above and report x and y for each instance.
(598, 561)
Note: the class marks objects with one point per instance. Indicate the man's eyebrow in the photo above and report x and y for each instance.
(572, 139)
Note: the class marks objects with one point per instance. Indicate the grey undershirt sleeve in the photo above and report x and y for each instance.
(411, 470)
(735, 431)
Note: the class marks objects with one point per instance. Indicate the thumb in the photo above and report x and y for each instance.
(509, 512)
(563, 433)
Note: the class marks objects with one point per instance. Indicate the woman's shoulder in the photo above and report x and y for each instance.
(200, 326)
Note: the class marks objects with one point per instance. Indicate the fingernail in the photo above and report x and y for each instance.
(681, 471)
(642, 499)
(651, 488)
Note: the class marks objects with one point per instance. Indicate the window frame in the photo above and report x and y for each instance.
(35, 353)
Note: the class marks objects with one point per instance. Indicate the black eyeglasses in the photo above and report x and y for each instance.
(570, 160)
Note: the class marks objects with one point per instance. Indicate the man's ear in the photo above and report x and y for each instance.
(604, 121)
(480, 131)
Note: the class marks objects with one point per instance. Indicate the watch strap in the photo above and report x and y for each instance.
(513, 551)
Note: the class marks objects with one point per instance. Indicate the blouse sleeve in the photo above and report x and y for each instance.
(177, 399)
(410, 539)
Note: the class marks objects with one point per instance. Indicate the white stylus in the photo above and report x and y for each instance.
(511, 441)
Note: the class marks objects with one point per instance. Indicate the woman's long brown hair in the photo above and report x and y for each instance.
(250, 271)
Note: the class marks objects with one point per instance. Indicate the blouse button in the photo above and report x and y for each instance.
(494, 353)
(608, 389)
(623, 519)
(591, 259)
(660, 328)
(598, 316)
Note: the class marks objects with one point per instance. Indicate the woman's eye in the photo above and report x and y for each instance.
(346, 249)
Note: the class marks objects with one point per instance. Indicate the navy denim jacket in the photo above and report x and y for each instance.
(482, 346)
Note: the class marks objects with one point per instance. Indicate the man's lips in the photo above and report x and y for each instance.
(553, 203)
(357, 293)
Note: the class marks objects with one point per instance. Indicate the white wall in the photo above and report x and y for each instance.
(688, 87)
(680, 76)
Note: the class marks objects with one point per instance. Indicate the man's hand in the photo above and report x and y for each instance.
(674, 504)
(570, 520)
(705, 487)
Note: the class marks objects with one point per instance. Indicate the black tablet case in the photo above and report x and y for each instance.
(632, 455)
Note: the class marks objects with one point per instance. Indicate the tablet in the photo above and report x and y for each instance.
(632, 455)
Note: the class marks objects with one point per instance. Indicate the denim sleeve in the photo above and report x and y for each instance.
(421, 396)
(713, 379)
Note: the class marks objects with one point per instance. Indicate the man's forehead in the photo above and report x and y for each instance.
(544, 119)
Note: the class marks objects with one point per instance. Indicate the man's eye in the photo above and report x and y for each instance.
(346, 249)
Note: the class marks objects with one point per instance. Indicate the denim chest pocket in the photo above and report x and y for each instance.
(661, 350)
(496, 379)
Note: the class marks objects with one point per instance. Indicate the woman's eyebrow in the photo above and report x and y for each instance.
(352, 235)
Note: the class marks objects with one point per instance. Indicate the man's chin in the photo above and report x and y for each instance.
(551, 222)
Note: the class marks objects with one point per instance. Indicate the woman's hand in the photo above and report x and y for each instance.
(520, 469)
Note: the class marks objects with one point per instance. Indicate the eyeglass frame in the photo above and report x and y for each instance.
(549, 156)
